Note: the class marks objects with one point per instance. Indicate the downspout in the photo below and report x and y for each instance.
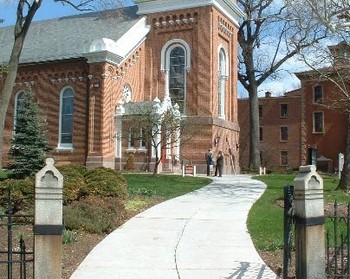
(87, 116)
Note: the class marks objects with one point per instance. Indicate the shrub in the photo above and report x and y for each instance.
(130, 162)
(22, 191)
(73, 181)
(94, 215)
(104, 182)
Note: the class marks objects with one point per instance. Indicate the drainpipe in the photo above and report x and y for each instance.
(87, 116)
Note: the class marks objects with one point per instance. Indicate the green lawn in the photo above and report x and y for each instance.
(265, 220)
(165, 186)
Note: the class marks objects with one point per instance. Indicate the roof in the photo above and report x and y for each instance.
(68, 37)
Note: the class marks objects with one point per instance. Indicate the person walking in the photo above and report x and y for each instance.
(219, 163)
(210, 162)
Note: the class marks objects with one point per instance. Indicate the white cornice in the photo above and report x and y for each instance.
(116, 52)
(227, 7)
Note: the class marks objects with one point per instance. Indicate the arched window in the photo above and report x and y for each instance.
(177, 77)
(175, 61)
(66, 118)
(127, 93)
(18, 104)
(223, 75)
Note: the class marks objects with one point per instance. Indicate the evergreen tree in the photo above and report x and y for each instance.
(29, 142)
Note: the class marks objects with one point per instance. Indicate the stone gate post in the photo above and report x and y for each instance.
(48, 222)
(309, 213)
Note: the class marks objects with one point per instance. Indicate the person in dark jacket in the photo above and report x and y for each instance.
(210, 162)
(219, 163)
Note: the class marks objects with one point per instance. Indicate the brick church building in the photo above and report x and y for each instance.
(85, 70)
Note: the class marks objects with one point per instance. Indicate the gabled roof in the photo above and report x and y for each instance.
(68, 37)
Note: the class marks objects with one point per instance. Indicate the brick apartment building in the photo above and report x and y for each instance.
(299, 121)
(279, 133)
(85, 69)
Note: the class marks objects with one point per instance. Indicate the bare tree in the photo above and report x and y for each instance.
(270, 34)
(26, 11)
(161, 127)
(334, 15)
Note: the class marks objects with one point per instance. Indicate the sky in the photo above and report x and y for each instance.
(50, 9)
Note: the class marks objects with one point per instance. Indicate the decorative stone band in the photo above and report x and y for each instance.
(311, 221)
(48, 194)
(311, 194)
(48, 229)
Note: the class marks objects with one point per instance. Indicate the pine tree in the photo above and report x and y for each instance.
(29, 142)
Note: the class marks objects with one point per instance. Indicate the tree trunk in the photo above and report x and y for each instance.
(20, 32)
(344, 183)
(6, 90)
(254, 151)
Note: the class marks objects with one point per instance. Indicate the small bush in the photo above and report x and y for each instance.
(130, 163)
(69, 237)
(94, 215)
(73, 182)
(22, 191)
(104, 182)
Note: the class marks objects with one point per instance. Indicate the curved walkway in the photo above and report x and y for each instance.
(200, 235)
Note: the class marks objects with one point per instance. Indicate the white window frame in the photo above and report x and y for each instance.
(65, 146)
(143, 143)
(15, 109)
(281, 133)
(130, 139)
(313, 122)
(223, 74)
(314, 101)
(165, 65)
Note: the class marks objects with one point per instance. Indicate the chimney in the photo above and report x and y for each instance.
(267, 94)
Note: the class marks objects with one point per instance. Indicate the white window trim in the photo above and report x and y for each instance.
(142, 148)
(15, 109)
(130, 147)
(222, 78)
(313, 94)
(168, 47)
(284, 140)
(313, 122)
(64, 146)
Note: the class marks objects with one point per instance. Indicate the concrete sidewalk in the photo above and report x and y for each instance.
(201, 235)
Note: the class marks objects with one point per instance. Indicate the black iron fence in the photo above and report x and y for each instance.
(288, 229)
(337, 242)
(16, 260)
(337, 238)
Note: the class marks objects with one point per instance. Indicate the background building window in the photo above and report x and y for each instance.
(131, 140)
(260, 111)
(177, 73)
(318, 94)
(318, 122)
(283, 110)
(261, 133)
(143, 139)
(284, 158)
(66, 118)
(284, 133)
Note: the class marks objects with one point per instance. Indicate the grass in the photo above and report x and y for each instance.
(164, 186)
(265, 220)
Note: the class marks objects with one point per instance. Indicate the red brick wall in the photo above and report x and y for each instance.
(333, 140)
(271, 121)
